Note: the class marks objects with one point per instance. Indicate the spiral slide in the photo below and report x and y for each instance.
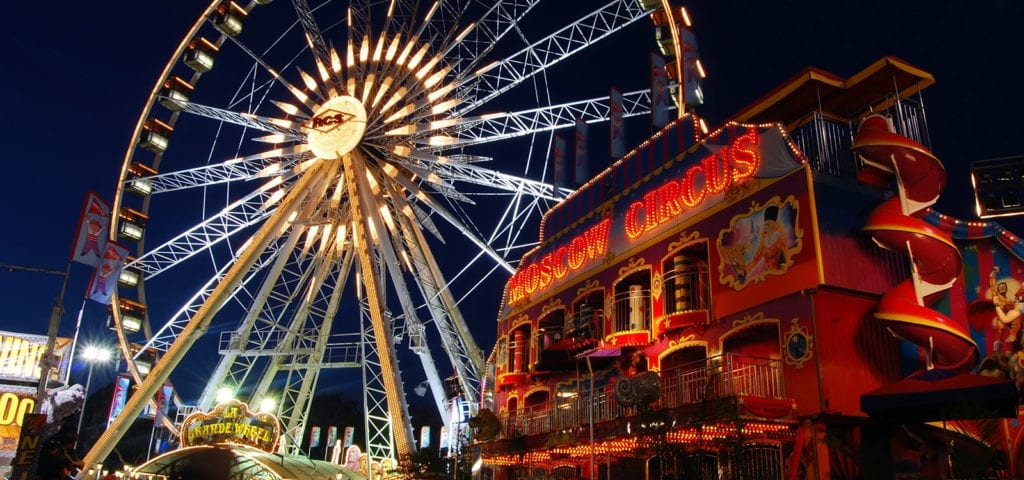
(898, 224)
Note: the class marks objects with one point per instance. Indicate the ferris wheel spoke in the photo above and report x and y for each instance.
(291, 130)
(249, 339)
(261, 165)
(171, 329)
(497, 180)
(296, 92)
(463, 353)
(314, 38)
(166, 335)
(455, 222)
(548, 118)
(500, 19)
(554, 48)
(238, 216)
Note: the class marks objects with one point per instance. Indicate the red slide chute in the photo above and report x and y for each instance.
(897, 224)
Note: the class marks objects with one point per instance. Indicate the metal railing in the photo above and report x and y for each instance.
(686, 288)
(632, 310)
(717, 377)
(586, 324)
(827, 141)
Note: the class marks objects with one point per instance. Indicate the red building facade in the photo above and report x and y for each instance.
(713, 305)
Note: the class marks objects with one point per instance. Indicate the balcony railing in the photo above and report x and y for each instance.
(826, 141)
(633, 310)
(717, 377)
(586, 324)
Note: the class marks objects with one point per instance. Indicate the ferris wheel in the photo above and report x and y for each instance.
(319, 185)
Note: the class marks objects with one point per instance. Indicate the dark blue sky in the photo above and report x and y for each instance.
(76, 75)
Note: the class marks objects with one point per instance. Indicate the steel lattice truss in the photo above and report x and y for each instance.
(344, 162)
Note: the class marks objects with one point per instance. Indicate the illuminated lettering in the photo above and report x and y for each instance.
(635, 220)
(13, 408)
(712, 175)
(588, 246)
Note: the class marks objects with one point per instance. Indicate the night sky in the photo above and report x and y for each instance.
(76, 75)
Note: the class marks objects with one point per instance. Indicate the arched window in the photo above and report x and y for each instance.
(686, 280)
(633, 302)
(587, 321)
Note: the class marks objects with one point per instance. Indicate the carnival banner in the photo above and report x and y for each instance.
(314, 437)
(617, 128)
(692, 72)
(91, 234)
(24, 462)
(120, 397)
(347, 439)
(659, 92)
(558, 161)
(104, 278)
(424, 436)
(163, 403)
(582, 173)
(332, 435)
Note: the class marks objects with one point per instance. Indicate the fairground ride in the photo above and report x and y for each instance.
(314, 185)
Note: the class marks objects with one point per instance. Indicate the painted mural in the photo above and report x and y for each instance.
(760, 243)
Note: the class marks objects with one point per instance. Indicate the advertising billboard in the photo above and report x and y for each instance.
(19, 378)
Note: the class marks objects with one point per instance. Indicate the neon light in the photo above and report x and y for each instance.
(589, 245)
(712, 175)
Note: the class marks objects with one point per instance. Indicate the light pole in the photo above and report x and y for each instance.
(92, 355)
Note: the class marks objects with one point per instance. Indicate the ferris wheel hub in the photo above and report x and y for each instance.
(336, 128)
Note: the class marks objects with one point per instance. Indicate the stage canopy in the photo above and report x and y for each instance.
(235, 462)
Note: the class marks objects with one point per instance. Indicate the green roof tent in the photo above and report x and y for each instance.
(237, 462)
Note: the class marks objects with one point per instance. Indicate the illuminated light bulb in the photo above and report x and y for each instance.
(272, 138)
(686, 17)
(393, 48)
(401, 150)
(441, 140)
(403, 112)
(427, 67)
(379, 48)
(404, 130)
(322, 69)
(700, 69)
(367, 86)
(441, 92)
(268, 170)
(415, 60)
(299, 94)
(335, 61)
(436, 77)
(486, 68)
(384, 87)
(350, 54)
(445, 106)
(289, 108)
(364, 49)
(308, 80)
(430, 13)
(284, 123)
(402, 57)
(274, 198)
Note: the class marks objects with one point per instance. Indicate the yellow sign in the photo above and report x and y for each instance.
(232, 422)
(20, 354)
